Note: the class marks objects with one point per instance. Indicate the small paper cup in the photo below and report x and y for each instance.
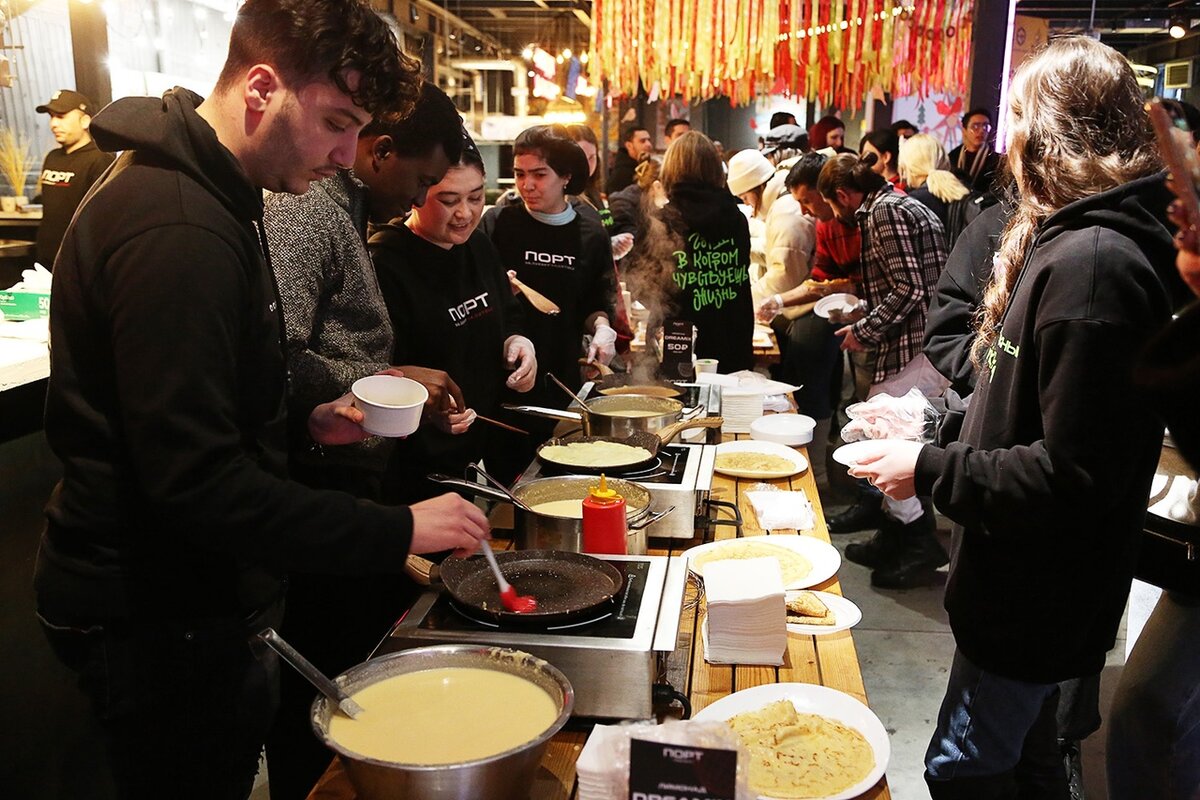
(707, 364)
(391, 406)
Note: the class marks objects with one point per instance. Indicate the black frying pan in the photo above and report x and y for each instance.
(652, 442)
(569, 587)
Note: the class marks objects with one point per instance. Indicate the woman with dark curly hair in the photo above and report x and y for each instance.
(563, 254)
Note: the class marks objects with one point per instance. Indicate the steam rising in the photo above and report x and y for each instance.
(650, 277)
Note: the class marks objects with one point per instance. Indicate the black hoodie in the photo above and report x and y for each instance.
(712, 272)
(1050, 477)
(166, 396)
(621, 174)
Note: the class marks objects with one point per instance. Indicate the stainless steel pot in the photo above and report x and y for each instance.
(537, 531)
(504, 776)
(603, 416)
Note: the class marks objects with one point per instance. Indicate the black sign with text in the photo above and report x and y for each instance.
(677, 350)
(660, 771)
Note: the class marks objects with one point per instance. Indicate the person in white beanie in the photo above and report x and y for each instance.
(780, 261)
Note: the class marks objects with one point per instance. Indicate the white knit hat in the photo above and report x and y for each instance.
(748, 169)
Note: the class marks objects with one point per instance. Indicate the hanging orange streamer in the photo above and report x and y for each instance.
(833, 51)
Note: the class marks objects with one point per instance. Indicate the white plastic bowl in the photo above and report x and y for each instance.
(789, 429)
(391, 406)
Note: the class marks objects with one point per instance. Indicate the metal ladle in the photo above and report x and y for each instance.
(310, 672)
(500, 486)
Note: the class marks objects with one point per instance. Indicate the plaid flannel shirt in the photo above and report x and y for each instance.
(903, 252)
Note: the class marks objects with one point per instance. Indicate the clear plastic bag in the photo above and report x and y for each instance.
(910, 416)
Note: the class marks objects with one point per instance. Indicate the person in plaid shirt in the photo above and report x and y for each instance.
(903, 251)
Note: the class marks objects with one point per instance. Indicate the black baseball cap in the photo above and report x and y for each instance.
(65, 100)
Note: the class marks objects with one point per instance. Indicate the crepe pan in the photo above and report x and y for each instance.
(569, 587)
(616, 383)
(652, 442)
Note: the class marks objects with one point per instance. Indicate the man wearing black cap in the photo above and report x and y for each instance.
(69, 171)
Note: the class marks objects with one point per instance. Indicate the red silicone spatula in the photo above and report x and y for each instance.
(520, 604)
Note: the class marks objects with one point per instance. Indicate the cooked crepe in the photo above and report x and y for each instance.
(793, 566)
(807, 604)
(750, 461)
(649, 391)
(794, 755)
(595, 455)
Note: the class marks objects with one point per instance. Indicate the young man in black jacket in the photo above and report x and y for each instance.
(170, 534)
(636, 144)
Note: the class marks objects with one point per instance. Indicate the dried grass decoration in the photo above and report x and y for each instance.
(15, 159)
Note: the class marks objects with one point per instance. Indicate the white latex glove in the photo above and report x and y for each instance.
(604, 345)
(519, 354)
(622, 243)
(455, 422)
(770, 308)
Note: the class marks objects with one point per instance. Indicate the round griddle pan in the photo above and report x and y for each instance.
(652, 442)
(612, 383)
(568, 586)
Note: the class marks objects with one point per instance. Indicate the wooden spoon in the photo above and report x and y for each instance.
(536, 299)
(603, 369)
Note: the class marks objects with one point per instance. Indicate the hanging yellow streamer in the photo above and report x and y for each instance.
(738, 49)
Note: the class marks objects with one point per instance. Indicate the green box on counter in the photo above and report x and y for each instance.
(17, 304)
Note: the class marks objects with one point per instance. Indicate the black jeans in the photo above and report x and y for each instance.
(184, 707)
(809, 357)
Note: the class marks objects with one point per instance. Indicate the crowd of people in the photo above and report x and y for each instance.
(205, 341)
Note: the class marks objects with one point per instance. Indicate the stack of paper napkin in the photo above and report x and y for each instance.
(779, 510)
(740, 407)
(593, 769)
(747, 621)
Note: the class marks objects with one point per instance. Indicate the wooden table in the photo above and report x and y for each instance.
(828, 660)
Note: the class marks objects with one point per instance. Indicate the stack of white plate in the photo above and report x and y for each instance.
(747, 620)
(740, 408)
(789, 429)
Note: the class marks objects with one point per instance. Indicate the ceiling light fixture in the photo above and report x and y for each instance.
(1178, 28)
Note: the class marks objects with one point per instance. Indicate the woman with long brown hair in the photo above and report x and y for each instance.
(696, 258)
(1049, 479)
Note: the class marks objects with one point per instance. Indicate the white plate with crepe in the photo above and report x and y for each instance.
(846, 614)
(823, 558)
(809, 698)
(842, 301)
(789, 461)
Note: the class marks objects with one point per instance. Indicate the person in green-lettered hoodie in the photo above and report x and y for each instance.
(704, 277)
